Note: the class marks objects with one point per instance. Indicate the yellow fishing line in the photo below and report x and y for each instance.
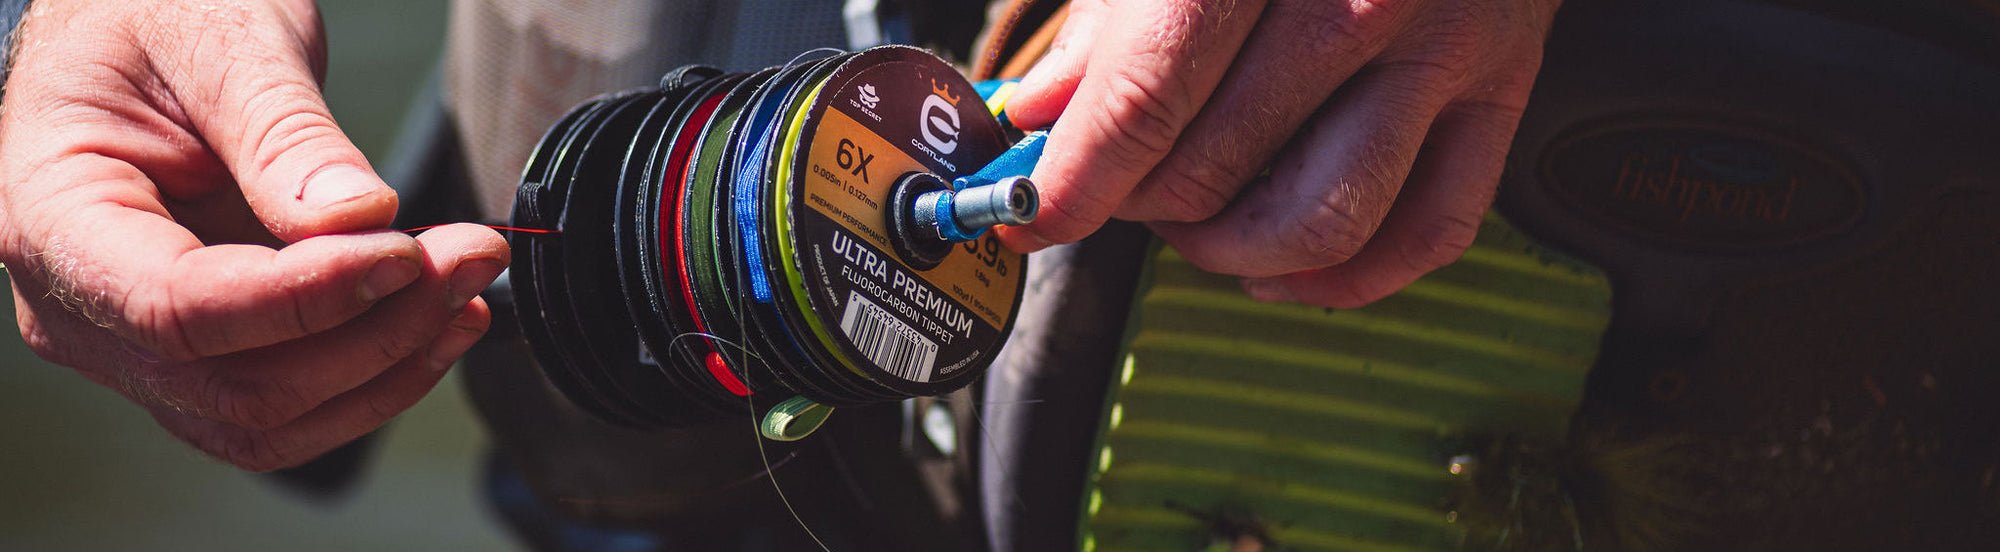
(783, 196)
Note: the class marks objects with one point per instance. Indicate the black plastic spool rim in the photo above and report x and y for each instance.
(589, 267)
(657, 302)
(652, 325)
(547, 318)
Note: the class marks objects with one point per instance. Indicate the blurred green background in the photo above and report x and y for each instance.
(81, 469)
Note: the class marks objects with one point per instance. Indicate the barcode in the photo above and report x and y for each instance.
(886, 341)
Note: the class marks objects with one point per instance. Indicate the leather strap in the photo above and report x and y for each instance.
(1014, 26)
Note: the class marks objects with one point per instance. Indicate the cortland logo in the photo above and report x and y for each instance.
(868, 97)
(1707, 186)
(939, 121)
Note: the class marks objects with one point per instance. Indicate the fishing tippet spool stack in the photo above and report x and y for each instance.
(778, 242)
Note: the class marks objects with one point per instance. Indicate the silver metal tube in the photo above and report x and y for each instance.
(1012, 201)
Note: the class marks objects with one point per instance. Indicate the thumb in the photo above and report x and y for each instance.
(256, 100)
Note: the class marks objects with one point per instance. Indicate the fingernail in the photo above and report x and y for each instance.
(470, 278)
(1269, 290)
(387, 276)
(1027, 94)
(1036, 77)
(335, 185)
(453, 344)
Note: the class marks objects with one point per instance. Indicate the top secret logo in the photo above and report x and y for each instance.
(1706, 187)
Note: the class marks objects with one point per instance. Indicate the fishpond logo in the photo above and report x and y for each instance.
(1707, 186)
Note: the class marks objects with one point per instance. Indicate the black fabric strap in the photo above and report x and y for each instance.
(10, 15)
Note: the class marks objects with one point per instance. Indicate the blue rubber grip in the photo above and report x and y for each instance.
(1019, 160)
(947, 222)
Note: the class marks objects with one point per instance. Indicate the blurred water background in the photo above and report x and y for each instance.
(82, 469)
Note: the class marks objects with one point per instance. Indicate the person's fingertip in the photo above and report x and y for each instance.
(1024, 239)
(331, 186)
(335, 199)
(1045, 91)
(387, 276)
(1269, 290)
(459, 337)
(1033, 88)
(470, 278)
(1033, 240)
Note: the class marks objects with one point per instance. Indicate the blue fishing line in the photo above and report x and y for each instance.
(747, 180)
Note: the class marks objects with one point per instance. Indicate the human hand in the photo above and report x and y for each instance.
(184, 224)
(1171, 110)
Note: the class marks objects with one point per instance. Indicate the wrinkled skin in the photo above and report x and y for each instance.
(1383, 124)
(184, 223)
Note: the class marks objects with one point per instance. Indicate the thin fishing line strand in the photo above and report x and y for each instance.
(796, 60)
(676, 344)
(756, 433)
(669, 497)
(993, 450)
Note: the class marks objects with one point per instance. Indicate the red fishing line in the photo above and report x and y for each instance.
(722, 374)
(671, 234)
(493, 226)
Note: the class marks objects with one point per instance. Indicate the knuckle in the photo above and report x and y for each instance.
(389, 350)
(157, 321)
(254, 405)
(1382, 165)
(1453, 36)
(1409, 92)
(1495, 111)
(44, 346)
(1141, 121)
(382, 407)
(1439, 242)
(300, 322)
(38, 339)
(294, 121)
(1190, 188)
(1343, 28)
(1428, 74)
(472, 323)
(1332, 232)
(392, 347)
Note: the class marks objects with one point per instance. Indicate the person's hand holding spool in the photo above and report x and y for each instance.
(1383, 124)
(184, 223)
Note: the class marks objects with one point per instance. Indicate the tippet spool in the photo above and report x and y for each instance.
(727, 242)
